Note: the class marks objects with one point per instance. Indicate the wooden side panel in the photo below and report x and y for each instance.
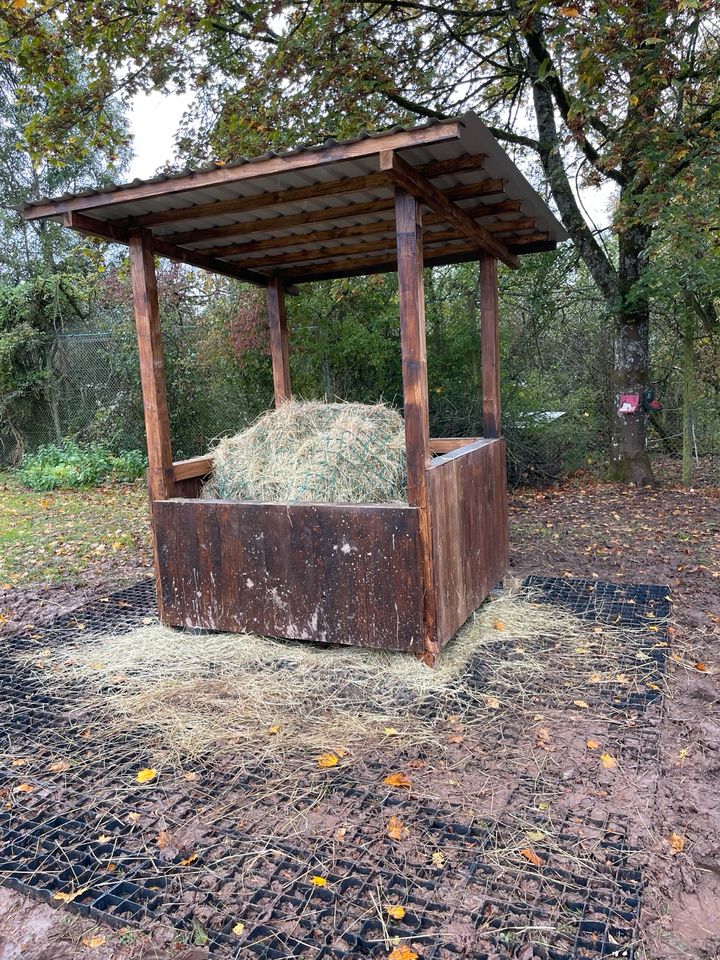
(325, 572)
(468, 506)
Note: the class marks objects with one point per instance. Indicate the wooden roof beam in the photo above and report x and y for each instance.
(268, 166)
(268, 225)
(402, 175)
(357, 230)
(117, 234)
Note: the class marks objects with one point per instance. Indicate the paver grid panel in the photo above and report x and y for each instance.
(464, 906)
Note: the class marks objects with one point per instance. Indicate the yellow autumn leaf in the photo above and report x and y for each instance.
(395, 828)
(682, 754)
(592, 744)
(60, 766)
(188, 860)
(438, 858)
(239, 929)
(403, 952)
(395, 911)
(569, 12)
(190, 776)
(70, 895)
(104, 838)
(317, 881)
(398, 780)
(608, 761)
(677, 842)
(580, 703)
(97, 941)
(19, 762)
(274, 730)
(535, 835)
(491, 702)
(390, 731)
(328, 760)
(499, 625)
(146, 775)
(24, 788)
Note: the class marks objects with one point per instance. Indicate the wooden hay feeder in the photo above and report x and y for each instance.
(391, 576)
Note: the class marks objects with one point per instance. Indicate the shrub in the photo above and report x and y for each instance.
(73, 465)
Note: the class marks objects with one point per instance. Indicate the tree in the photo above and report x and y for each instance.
(624, 94)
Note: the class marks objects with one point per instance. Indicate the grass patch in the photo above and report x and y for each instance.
(52, 537)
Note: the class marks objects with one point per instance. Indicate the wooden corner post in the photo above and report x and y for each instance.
(152, 370)
(490, 334)
(415, 391)
(278, 340)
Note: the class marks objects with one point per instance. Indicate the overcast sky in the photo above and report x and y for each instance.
(154, 119)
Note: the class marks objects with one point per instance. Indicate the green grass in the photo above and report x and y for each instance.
(63, 536)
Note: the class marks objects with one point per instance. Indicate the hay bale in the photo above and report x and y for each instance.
(308, 451)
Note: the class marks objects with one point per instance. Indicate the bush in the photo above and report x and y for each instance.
(73, 465)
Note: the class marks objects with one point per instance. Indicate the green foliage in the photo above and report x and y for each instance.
(59, 466)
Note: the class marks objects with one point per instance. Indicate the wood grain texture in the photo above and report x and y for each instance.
(468, 507)
(440, 445)
(413, 347)
(325, 572)
(490, 343)
(152, 371)
(251, 171)
(278, 340)
(195, 467)
(405, 176)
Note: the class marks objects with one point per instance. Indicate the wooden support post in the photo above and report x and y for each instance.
(152, 371)
(415, 391)
(490, 346)
(278, 340)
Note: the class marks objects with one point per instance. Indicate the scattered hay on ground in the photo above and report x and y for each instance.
(314, 452)
(195, 692)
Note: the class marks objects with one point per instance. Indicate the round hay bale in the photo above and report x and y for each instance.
(309, 451)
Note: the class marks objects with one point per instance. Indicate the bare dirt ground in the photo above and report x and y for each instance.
(583, 529)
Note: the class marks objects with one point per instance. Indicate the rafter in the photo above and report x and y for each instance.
(402, 175)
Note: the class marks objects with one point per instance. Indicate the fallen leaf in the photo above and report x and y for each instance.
(340, 833)
(104, 838)
(403, 952)
(24, 788)
(398, 780)
(569, 12)
(682, 754)
(328, 760)
(535, 835)
(677, 842)
(146, 775)
(318, 881)
(60, 766)
(608, 761)
(133, 817)
(70, 896)
(701, 666)
(438, 858)
(274, 729)
(163, 839)
(580, 703)
(395, 911)
(499, 625)
(97, 941)
(19, 762)
(395, 828)
(592, 744)
(530, 855)
(188, 860)
(239, 929)
(492, 702)
(190, 777)
(390, 731)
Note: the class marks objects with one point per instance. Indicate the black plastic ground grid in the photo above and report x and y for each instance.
(83, 828)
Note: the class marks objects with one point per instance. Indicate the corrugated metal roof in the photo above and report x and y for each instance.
(324, 209)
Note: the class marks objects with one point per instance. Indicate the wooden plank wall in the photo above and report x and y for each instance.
(326, 572)
(468, 507)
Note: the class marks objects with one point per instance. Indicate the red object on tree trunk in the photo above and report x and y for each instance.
(629, 402)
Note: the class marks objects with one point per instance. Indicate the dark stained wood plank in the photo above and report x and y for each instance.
(490, 342)
(440, 445)
(468, 503)
(371, 146)
(116, 233)
(324, 572)
(278, 340)
(413, 347)
(195, 467)
(152, 371)
(349, 185)
(403, 175)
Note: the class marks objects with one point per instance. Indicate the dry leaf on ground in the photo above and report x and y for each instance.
(328, 760)
(530, 855)
(146, 775)
(395, 911)
(395, 828)
(397, 780)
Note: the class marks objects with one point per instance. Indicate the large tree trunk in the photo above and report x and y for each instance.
(629, 459)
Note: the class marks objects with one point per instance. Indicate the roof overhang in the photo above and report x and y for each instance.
(328, 211)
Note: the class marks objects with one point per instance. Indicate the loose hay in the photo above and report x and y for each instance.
(194, 692)
(312, 451)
